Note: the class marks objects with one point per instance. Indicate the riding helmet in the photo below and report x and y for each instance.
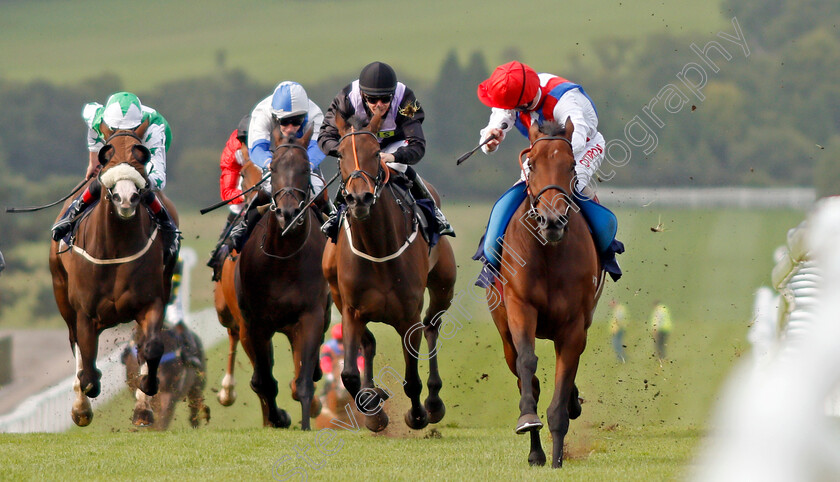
(378, 78)
(289, 100)
(510, 86)
(123, 111)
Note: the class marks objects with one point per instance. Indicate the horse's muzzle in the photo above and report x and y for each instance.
(286, 215)
(359, 204)
(553, 228)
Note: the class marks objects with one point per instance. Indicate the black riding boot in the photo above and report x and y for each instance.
(67, 222)
(420, 191)
(168, 230)
(222, 250)
(330, 227)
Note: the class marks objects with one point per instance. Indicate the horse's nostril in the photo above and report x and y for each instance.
(367, 198)
(117, 198)
(135, 198)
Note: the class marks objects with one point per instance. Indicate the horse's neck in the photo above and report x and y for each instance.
(385, 230)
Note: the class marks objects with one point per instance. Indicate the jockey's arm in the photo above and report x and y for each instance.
(498, 119)
(93, 165)
(573, 105)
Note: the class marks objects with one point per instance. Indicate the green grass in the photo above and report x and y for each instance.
(642, 420)
(157, 41)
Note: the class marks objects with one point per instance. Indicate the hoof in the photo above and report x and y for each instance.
(315, 407)
(436, 410)
(143, 418)
(284, 420)
(528, 423)
(82, 416)
(417, 419)
(536, 459)
(226, 397)
(148, 385)
(378, 422)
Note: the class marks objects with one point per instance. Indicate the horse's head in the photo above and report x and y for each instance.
(123, 174)
(551, 178)
(363, 174)
(290, 176)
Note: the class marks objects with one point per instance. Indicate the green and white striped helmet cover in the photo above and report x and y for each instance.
(123, 111)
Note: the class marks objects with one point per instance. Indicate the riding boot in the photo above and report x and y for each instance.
(241, 231)
(330, 227)
(222, 250)
(169, 231)
(67, 222)
(422, 192)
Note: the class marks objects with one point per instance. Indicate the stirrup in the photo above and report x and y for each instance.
(444, 228)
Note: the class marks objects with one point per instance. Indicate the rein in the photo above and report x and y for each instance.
(375, 182)
(282, 192)
(534, 200)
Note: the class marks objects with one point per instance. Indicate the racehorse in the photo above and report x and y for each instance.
(182, 376)
(552, 295)
(225, 294)
(378, 270)
(280, 287)
(113, 272)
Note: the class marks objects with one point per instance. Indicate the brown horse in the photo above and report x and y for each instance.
(553, 295)
(378, 271)
(225, 294)
(181, 377)
(114, 271)
(280, 287)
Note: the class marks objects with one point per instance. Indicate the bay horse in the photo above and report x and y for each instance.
(181, 377)
(280, 287)
(224, 293)
(553, 294)
(114, 272)
(378, 270)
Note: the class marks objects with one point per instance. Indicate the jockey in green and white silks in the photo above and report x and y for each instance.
(123, 111)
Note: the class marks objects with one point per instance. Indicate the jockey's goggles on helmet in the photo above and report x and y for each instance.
(295, 120)
(373, 99)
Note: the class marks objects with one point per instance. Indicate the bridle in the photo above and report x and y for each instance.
(377, 182)
(534, 200)
(305, 197)
(109, 194)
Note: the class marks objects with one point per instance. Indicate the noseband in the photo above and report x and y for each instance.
(122, 133)
(376, 182)
(534, 200)
(305, 195)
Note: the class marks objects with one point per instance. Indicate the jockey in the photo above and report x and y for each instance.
(123, 110)
(401, 136)
(234, 156)
(290, 108)
(519, 96)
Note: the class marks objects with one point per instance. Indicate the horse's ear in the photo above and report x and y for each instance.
(304, 141)
(375, 123)
(141, 153)
(534, 130)
(105, 154)
(570, 128)
(340, 123)
(105, 130)
(140, 130)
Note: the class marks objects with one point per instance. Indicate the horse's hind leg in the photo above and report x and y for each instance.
(81, 411)
(568, 356)
(441, 285)
(227, 394)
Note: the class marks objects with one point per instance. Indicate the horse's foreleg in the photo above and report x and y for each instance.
(227, 394)
(151, 350)
(87, 344)
(306, 342)
(417, 417)
(568, 356)
(441, 286)
(81, 411)
(522, 321)
(260, 350)
(367, 401)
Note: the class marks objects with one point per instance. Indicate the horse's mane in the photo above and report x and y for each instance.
(553, 128)
(357, 123)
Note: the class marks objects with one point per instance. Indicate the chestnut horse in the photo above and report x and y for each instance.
(378, 271)
(114, 272)
(553, 295)
(225, 293)
(280, 287)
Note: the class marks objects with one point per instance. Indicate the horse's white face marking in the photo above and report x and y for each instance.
(126, 197)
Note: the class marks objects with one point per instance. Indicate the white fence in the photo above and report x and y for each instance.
(49, 411)
(775, 422)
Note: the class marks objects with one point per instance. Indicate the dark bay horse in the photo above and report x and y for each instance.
(114, 271)
(553, 295)
(280, 287)
(181, 377)
(224, 293)
(378, 271)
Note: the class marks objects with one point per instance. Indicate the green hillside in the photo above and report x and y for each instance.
(157, 41)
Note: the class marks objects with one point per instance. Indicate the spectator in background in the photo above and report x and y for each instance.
(660, 327)
(618, 325)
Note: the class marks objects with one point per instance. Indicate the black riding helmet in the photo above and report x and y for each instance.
(242, 130)
(377, 78)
